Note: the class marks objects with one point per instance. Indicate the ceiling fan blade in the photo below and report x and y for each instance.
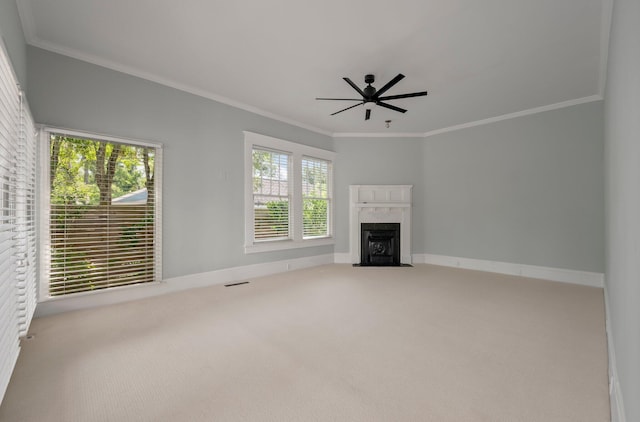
(367, 115)
(345, 109)
(341, 99)
(354, 86)
(395, 97)
(389, 84)
(391, 107)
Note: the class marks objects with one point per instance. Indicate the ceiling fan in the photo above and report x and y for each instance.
(372, 96)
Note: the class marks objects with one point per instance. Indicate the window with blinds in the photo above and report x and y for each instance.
(315, 197)
(104, 213)
(288, 188)
(271, 202)
(17, 219)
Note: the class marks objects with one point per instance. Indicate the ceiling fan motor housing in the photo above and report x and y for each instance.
(369, 91)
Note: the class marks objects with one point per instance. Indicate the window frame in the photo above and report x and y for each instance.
(44, 205)
(297, 152)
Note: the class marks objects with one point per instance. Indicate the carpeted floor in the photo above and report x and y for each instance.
(331, 343)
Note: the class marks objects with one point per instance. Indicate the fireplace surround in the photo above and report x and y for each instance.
(380, 204)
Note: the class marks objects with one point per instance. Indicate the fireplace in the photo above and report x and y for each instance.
(389, 206)
(380, 243)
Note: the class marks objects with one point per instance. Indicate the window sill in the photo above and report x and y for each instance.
(279, 245)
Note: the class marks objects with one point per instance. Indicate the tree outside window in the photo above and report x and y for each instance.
(102, 214)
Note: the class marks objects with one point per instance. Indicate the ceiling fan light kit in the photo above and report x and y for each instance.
(372, 97)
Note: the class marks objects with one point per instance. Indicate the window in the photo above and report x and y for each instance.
(288, 194)
(17, 219)
(103, 227)
(315, 194)
(271, 194)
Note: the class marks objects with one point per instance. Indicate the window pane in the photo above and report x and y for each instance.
(102, 220)
(314, 221)
(271, 203)
(315, 175)
(314, 178)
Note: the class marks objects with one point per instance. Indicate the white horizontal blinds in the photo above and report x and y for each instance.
(25, 218)
(154, 169)
(102, 223)
(271, 194)
(9, 121)
(315, 197)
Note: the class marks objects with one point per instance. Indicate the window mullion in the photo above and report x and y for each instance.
(330, 208)
(296, 197)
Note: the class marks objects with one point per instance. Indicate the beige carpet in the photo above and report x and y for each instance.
(332, 343)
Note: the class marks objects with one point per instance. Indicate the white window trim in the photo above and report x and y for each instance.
(44, 204)
(297, 151)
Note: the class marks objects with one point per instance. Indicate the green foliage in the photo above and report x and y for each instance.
(71, 173)
(73, 170)
(129, 175)
(60, 260)
(314, 217)
(279, 217)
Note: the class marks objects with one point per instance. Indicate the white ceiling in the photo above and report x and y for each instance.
(478, 59)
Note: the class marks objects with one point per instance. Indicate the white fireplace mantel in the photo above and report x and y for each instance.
(380, 204)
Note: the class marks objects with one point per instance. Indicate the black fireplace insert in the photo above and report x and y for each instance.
(380, 244)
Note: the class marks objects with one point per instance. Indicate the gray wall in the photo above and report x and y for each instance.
(203, 198)
(622, 164)
(527, 190)
(13, 39)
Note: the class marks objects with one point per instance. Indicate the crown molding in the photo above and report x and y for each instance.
(508, 116)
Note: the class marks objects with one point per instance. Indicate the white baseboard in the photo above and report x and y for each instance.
(584, 278)
(227, 275)
(615, 393)
(210, 278)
